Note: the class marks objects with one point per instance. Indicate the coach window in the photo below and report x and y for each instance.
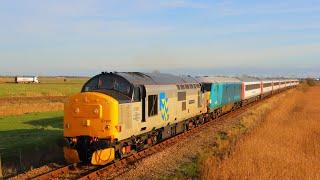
(152, 105)
(252, 86)
(267, 85)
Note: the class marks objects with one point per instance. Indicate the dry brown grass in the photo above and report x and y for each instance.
(285, 146)
(6, 79)
(22, 105)
(16, 109)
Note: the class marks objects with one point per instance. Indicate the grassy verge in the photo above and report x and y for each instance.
(223, 143)
(30, 140)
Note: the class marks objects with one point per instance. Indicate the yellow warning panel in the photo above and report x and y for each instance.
(103, 157)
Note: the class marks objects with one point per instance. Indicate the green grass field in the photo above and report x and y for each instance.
(31, 137)
(49, 86)
(30, 130)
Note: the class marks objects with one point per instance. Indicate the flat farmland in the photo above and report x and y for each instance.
(48, 86)
(48, 95)
(31, 121)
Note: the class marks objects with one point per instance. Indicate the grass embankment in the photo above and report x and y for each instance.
(30, 140)
(286, 146)
(224, 141)
(48, 86)
(278, 139)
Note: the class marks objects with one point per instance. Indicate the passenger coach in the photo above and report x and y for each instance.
(251, 89)
(266, 87)
(221, 93)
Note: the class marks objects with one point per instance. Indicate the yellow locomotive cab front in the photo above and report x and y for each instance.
(90, 125)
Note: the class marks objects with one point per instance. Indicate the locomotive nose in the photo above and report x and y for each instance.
(90, 114)
(89, 125)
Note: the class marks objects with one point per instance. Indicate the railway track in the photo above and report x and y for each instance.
(71, 171)
(86, 172)
(56, 173)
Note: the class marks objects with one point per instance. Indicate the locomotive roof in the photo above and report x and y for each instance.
(138, 78)
(211, 79)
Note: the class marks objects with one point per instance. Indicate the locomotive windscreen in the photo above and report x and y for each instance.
(110, 84)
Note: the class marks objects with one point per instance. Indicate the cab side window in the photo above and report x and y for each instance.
(152, 105)
(136, 94)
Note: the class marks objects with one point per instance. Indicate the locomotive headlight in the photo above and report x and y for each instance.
(74, 140)
(96, 111)
(77, 110)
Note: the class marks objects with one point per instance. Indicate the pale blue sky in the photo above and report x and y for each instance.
(181, 36)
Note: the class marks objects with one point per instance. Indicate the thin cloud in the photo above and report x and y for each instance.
(183, 4)
(229, 8)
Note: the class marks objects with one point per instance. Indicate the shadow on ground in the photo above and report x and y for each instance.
(56, 122)
(23, 149)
